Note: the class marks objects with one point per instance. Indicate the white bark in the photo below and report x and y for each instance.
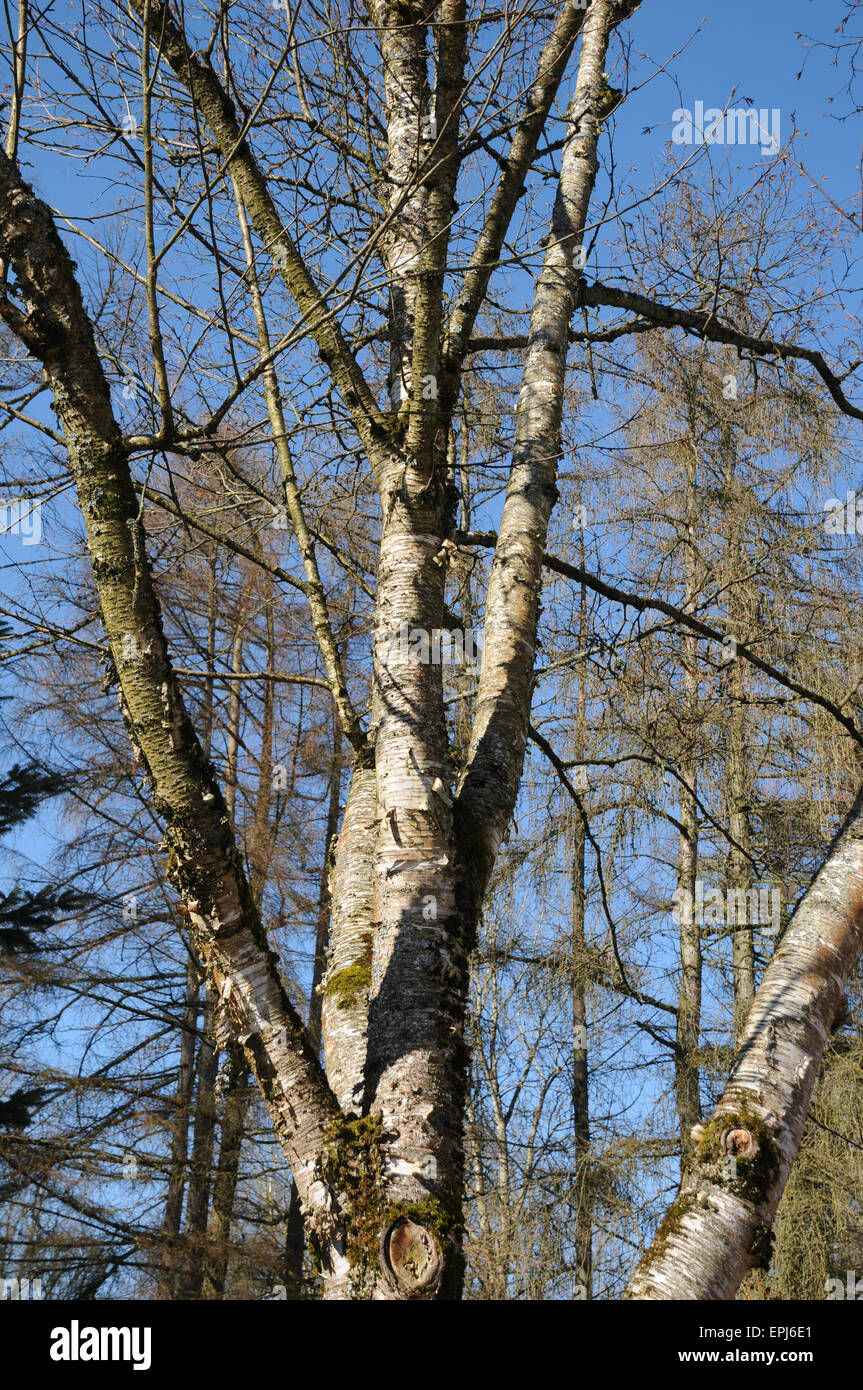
(348, 977)
(409, 140)
(417, 902)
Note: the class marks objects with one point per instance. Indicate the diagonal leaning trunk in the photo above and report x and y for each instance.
(719, 1226)
(204, 863)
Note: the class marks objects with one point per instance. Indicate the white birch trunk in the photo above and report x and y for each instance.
(491, 779)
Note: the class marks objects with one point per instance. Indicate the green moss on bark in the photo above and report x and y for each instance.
(669, 1226)
(751, 1179)
(753, 1175)
(353, 983)
(443, 1216)
(352, 1166)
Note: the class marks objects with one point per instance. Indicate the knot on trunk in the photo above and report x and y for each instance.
(412, 1259)
(738, 1142)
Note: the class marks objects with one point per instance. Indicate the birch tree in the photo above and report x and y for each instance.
(373, 1130)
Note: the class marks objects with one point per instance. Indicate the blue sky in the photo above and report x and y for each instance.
(726, 53)
(753, 48)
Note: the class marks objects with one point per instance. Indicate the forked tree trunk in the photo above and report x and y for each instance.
(378, 1164)
(380, 1180)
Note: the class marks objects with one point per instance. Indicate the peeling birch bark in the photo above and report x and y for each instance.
(381, 1180)
(427, 425)
(412, 1080)
(718, 1227)
(415, 1060)
(401, 36)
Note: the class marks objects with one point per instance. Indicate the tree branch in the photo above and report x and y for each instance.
(206, 91)
(688, 620)
(706, 325)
